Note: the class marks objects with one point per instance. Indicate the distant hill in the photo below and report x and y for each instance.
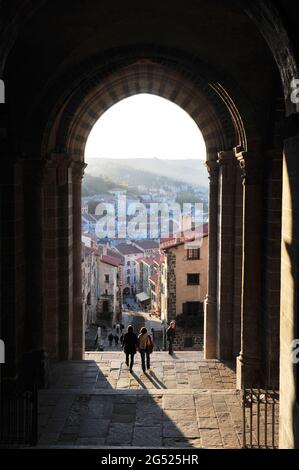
(96, 184)
(141, 171)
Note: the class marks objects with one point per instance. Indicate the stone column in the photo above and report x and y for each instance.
(78, 322)
(210, 321)
(226, 238)
(289, 304)
(51, 262)
(248, 362)
(65, 256)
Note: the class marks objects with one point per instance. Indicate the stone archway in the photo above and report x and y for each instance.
(228, 163)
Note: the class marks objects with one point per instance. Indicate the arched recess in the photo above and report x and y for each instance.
(63, 144)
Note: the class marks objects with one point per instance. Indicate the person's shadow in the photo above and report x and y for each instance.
(154, 379)
(138, 379)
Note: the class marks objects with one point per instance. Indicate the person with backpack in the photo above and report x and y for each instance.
(145, 346)
(130, 343)
(170, 334)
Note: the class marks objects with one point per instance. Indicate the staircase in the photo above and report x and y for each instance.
(183, 402)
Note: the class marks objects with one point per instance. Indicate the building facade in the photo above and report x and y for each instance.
(184, 277)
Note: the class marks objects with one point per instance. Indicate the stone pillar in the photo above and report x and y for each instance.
(210, 321)
(65, 256)
(249, 360)
(51, 262)
(289, 306)
(226, 238)
(272, 266)
(78, 320)
(238, 239)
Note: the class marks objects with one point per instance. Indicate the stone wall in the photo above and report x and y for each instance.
(182, 337)
(171, 286)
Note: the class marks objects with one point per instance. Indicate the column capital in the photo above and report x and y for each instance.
(78, 171)
(251, 170)
(227, 164)
(62, 162)
(213, 170)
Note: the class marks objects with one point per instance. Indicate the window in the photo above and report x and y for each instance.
(193, 308)
(128, 263)
(193, 280)
(193, 254)
(107, 278)
(128, 280)
(128, 271)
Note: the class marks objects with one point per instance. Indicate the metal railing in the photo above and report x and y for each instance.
(260, 419)
(18, 417)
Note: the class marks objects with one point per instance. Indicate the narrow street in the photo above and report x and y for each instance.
(138, 319)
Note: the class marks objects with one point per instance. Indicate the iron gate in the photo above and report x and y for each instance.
(260, 419)
(18, 417)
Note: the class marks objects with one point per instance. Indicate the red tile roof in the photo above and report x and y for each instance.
(126, 249)
(188, 236)
(111, 260)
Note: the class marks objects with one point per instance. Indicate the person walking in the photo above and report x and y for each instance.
(145, 346)
(116, 340)
(110, 339)
(130, 343)
(170, 334)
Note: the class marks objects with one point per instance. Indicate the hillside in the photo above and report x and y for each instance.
(150, 171)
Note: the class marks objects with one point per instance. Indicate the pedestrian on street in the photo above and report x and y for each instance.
(122, 339)
(116, 340)
(145, 346)
(110, 339)
(170, 334)
(130, 343)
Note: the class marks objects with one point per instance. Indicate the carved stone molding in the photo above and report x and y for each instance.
(63, 163)
(251, 169)
(227, 163)
(213, 170)
(78, 171)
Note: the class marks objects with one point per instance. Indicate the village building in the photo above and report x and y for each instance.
(131, 254)
(184, 276)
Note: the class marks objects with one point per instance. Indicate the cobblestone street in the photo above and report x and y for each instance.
(183, 402)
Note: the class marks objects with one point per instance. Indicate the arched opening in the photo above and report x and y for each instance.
(217, 116)
(237, 99)
(145, 194)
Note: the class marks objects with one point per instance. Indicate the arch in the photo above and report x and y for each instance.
(169, 74)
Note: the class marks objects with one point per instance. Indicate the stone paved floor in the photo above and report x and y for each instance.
(104, 371)
(184, 402)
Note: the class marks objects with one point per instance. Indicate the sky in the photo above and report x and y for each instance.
(145, 126)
